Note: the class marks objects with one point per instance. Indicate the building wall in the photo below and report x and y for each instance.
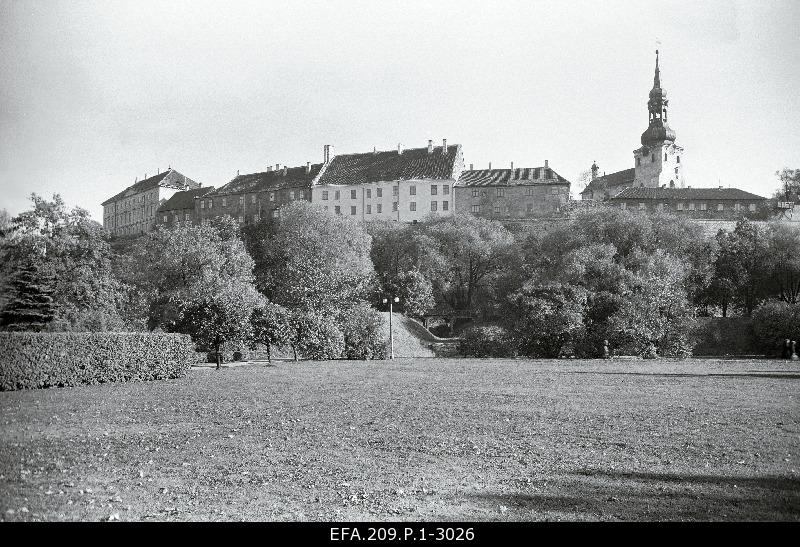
(528, 201)
(250, 206)
(135, 214)
(414, 199)
(694, 208)
(659, 166)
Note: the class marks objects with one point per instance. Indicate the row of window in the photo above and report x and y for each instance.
(692, 207)
(412, 206)
(412, 191)
(653, 159)
(498, 209)
(501, 192)
(209, 203)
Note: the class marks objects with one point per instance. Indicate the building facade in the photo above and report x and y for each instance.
(133, 211)
(181, 207)
(528, 192)
(403, 185)
(694, 203)
(252, 197)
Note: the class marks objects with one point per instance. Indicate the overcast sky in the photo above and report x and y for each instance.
(95, 94)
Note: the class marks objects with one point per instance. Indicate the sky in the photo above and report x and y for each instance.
(96, 94)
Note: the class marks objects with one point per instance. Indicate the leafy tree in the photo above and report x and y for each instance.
(315, 336)
(790, 184)
(220, 314)
(74, 252)
(783, 249)
(464, 254)
(545, 317)
(270, 326)
(774, 323)
(31, 304)
(362, 329)
(414, 290)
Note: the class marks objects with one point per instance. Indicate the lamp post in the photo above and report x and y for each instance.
(391, 300)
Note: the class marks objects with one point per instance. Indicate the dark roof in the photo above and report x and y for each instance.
(413, 163)
(170, 178)
(506, 177)
(686, 194)
(185, 199)
(611, 180)
(271, 180)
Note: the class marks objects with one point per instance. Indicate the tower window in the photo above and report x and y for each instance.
(652, 157)
(665, 156)
(678, 159)
(638, 161)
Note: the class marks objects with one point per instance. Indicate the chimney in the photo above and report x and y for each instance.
(512, 165)
(470, 167)
(374, 149)
(325, 153)
(444, 147)
(237, 172)
(277, 166)
(269, 169)
(430, 146)
(490, 166)
(308, 167)
(399, 148)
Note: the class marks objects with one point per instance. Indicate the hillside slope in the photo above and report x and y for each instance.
(412, 339)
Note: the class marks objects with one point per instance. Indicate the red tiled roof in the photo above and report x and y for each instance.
(185, 199)
(175, 180)
(413, 163)
(611, 180)
(523, 176)
(686, 194)
(295, 177)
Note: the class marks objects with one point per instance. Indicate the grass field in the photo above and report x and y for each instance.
(434, 439)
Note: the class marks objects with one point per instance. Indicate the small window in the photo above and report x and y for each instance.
(241, 201)
(445, 205)
(291, 194)
(369, 193)
(202, 204)
(253, 198)
(186, 216)
(412, 206)
(676, 170)
(336, 195)
(638, 161)
(352, 194)
(369, 209)
(680, 206)
(703, 206)
(623, 205)
(434, 189)
(395, 190)
(528, 191)
(210, 203)
(665, 156)
(272, 197)
(379, 193)
(379, 208)
(434, 206)
(497, 209)
(241, 219)
(691, 206)
(394, 204)
(352, 209)
(678, 159)
(445, 190)
(165, 218)
(274, 213)
(475, 192)
(652, 158)
(529, 207)
(476, 208)
(641, 207)
(720, 207)
(224, 202)
(325, 195)
(501, 192)
(337, 210)
(412, 190)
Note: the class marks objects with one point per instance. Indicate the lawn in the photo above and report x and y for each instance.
(425, 439)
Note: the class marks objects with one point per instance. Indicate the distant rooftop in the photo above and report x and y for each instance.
(169, 178)
(185, 199)
(510, 177)
(687, 194)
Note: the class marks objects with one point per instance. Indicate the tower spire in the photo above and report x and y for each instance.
(657, 78)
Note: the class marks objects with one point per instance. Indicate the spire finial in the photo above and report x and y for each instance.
(657, 78)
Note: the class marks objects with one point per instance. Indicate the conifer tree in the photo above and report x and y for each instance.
(30, 306)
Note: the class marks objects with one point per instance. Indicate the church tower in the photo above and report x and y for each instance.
(658, 161)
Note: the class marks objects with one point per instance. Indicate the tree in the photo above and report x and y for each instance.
(414, 290)
(270, 326)
(220, 314)
(315, 336)
(74, 252)
(464, 254)
(790, 184)
(362, 329)
(31, 303)
(545, 317)
(783, 249)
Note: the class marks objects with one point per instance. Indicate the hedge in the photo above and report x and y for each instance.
(486, 341)
(30, 360)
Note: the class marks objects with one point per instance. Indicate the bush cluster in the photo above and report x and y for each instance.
(38, 360)
(486, 341)
(773, 324)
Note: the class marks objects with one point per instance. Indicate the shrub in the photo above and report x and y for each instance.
(488, 341)
(773, 323)
(38, 360)
(363, 335)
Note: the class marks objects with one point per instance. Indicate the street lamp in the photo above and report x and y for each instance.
(391, 300)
